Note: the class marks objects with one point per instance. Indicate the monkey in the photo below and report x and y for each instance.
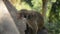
(34, 20)
(43, 31)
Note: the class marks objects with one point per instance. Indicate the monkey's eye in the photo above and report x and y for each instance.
(29, 17)
(24, 16)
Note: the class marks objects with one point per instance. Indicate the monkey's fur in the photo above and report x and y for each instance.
(34, 19)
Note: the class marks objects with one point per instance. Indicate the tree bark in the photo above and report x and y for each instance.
(7, 25)
(12, 10)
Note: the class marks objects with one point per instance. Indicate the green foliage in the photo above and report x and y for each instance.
(54, 18)
(37, 5)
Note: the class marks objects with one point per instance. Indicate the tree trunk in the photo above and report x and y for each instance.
(12, 10)
(7, 25)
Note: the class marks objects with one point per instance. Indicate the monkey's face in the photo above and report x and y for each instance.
(30, 18)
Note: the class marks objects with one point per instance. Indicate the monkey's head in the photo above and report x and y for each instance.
(33, 18)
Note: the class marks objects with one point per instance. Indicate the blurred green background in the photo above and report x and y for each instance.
(51, 11)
